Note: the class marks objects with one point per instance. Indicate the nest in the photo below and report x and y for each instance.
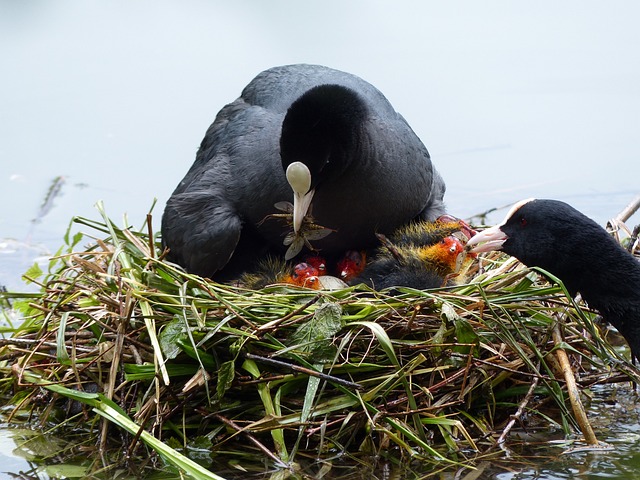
(180, 364)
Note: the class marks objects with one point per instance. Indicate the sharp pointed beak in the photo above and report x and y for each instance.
(299, 178)
(487, 240)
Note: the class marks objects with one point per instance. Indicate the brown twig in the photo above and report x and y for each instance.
(152, 248)
(572, 387)
(251, 438)
(629, 210)
(516, 416)
(617, 223)
(311, 373)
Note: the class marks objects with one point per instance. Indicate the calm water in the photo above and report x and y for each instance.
(112, 99)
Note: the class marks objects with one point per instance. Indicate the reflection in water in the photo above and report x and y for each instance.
(17, 450)
(54, 191)
(541, 455)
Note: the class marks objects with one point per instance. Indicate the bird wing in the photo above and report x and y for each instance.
(202, 233)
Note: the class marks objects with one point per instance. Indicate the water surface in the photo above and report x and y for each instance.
(109, 101)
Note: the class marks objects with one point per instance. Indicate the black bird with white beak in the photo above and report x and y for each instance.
(558, 238)
(354, 168)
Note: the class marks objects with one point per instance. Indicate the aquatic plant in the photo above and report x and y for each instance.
(183, 365)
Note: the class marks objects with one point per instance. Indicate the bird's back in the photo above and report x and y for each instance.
(277, 88)
(611, 285)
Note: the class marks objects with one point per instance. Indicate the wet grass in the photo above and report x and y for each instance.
(160, 366)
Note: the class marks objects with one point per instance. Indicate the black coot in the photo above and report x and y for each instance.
(369, 171)
(559, 239)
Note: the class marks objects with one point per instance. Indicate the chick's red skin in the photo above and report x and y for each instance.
(317, 262)
(303, 275)
(351, 264)
(440, 259)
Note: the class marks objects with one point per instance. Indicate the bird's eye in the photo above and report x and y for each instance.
(523, 222)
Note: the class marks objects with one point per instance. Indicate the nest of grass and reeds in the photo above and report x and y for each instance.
(152, 361)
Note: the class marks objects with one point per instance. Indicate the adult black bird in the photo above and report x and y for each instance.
(369, 171)
(559, 239)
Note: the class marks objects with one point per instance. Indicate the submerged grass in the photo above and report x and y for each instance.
(283, 375)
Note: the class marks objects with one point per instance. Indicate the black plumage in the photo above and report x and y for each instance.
(370, 172)
(409, 270)
(420, 255)
(558, 238)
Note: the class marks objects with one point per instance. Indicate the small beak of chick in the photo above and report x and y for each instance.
(487, 240)
(299, 177)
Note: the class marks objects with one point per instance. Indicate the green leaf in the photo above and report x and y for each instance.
(171, 335)
(314, 339)
(226, 374)
(65, 471)
(464, 331)
(33, 273)
(61, 348)
(383, 339)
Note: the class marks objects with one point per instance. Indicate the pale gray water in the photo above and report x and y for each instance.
(512, 99)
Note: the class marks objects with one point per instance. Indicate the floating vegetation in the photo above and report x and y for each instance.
(170, 368)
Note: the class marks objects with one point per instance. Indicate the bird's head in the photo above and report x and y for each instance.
(542, 233)
(351, 264)
(444, 257)
(319, 140)
(318, 262)
(321, 129)
(304, 275)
